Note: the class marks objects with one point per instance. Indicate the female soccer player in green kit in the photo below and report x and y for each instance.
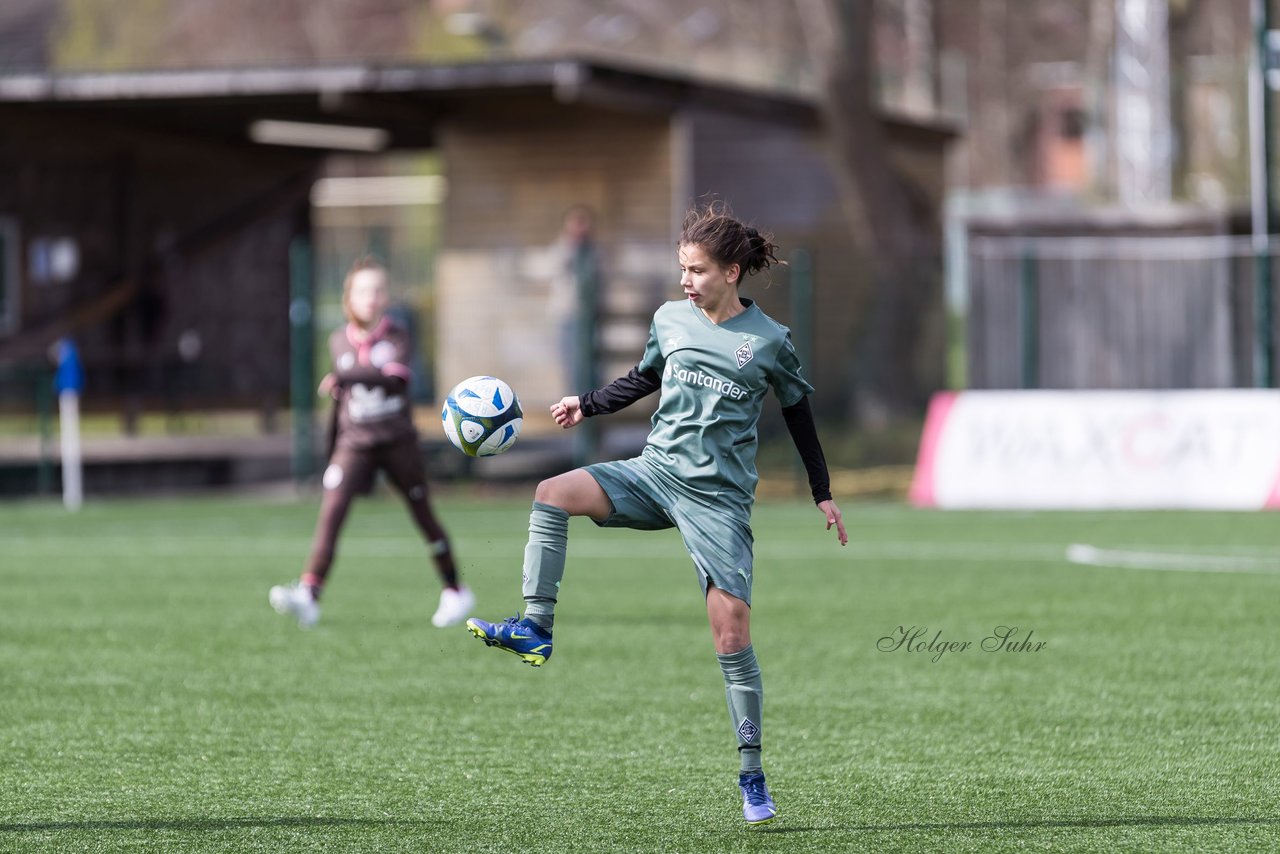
(713, 356)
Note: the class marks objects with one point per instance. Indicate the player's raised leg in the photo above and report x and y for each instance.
(730, 619)
(574, 493)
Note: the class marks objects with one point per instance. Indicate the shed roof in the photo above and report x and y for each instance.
(406, 100)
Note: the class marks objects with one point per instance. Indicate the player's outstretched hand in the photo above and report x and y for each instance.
(326, 385)
(832, 512)
(568, 412)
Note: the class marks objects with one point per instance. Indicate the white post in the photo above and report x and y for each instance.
(1144, 130)
(69, 431)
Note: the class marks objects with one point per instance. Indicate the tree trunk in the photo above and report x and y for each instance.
(890, 227)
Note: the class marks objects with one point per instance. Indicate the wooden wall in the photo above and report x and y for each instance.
(1144, 311)
(193, 237)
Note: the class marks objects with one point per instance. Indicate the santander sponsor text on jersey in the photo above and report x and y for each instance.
(728, 388)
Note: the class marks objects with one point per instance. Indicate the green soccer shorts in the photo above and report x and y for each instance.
(718, 538)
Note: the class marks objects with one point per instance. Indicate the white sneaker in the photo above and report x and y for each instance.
(295, 599)
(455, 606)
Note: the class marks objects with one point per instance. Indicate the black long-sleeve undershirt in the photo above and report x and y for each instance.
(620, 393)
(804, 433)
(637, 384)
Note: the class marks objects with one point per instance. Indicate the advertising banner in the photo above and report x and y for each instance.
(1086, 450)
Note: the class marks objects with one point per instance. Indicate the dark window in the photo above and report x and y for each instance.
(1072, 123)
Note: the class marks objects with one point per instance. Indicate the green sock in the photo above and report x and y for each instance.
(745, 694)
(544, 562)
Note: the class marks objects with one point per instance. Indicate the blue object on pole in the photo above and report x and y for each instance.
(70, 373)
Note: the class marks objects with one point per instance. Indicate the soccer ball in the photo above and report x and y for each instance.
(482, 416)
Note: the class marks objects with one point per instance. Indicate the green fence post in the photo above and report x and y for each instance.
(801, 263)
(586, 267)
(1029, 321)
(302, 392)
(1264, 349)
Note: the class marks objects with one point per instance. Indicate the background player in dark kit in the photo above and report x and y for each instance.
(373, 430)
(714, 356)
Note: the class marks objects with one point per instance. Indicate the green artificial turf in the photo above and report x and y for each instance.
(150, 700)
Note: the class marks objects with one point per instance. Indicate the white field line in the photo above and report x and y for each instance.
(1166, 561)
(823, 544)
(667, 545)
(393, 518)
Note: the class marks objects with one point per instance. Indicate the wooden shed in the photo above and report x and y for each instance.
(136, 208)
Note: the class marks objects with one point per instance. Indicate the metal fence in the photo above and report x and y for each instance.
(1118, 312)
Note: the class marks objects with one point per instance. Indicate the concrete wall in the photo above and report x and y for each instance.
(512, 173)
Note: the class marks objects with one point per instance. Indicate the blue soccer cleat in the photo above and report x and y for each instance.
(524, 638)
(757, 806)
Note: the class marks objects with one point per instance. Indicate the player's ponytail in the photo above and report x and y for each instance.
(728, 240)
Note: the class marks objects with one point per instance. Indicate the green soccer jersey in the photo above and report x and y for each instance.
(714, 379)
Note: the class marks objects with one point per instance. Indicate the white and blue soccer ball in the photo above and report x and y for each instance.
(482, 416)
